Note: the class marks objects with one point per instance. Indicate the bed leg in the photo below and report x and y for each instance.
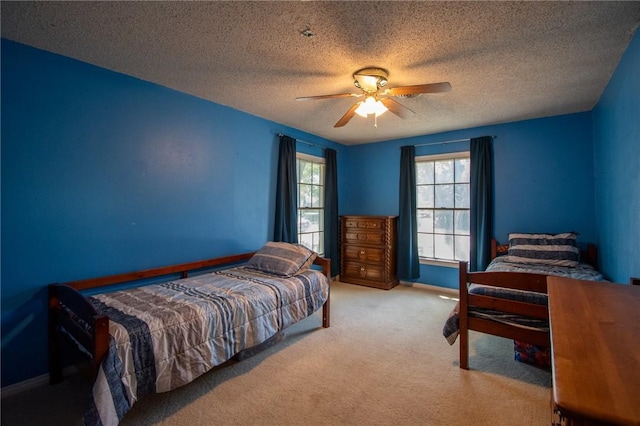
(326, 270)
(55, 363)
(326, 314)
(463, 325)
(55, 366)
(464, 349)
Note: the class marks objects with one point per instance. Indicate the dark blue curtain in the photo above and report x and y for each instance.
(331, 225)
(286, 219)
(481, 209)
(408, 260)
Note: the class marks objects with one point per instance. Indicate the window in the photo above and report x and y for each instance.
(310, 170)
(443, 198)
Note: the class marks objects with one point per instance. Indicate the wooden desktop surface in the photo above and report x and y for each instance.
(595, 339)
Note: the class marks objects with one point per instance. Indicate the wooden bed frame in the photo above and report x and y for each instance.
(513, 280)
(70, 309)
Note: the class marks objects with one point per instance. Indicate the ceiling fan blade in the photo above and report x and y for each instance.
(338, 95)
(419, 88)
(348, 115)
(397, 108)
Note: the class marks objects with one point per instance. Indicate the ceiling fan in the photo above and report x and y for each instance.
(376, 101)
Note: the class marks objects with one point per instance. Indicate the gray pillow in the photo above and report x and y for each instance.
(283, 259)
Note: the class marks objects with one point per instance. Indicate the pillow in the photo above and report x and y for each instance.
(546, 249)
(284, 259)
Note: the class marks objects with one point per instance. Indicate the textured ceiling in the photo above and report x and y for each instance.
(506, 61)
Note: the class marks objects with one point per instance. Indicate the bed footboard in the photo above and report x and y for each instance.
(512, 280)
(74, 323)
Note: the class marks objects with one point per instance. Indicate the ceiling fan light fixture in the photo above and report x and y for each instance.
(380, 108)
(371, 106)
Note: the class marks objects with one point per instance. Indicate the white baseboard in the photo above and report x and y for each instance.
(431, 287)
(32, 383)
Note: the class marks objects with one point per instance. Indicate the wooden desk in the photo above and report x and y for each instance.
(595, 341)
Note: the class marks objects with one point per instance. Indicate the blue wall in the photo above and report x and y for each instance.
(103, 173)
(616, 124)
(543, 179)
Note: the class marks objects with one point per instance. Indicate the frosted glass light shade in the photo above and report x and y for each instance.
(371, 106)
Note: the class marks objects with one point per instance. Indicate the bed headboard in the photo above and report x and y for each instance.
(589, 255)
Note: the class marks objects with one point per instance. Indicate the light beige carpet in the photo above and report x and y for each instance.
(382, 362)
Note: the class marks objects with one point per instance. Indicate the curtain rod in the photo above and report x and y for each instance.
(446, 142)
(305, 142)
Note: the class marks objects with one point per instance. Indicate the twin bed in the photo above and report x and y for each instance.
(509, 298)
(160, 336)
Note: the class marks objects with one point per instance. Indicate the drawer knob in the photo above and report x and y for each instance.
(363, 252)
(363, 272)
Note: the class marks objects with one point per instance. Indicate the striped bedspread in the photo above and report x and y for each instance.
(502, 264)
(166, 335)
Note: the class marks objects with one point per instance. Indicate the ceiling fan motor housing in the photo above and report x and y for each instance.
(370, 79)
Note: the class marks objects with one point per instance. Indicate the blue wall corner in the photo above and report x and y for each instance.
(616, 128)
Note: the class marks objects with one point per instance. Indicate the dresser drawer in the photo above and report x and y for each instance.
(356, 236)
(372, 223)
(364, 254)
(363, 271)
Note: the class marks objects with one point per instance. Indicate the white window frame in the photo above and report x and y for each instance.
(436, 157)
(316, 235)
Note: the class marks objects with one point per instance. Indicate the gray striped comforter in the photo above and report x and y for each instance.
(166, 335)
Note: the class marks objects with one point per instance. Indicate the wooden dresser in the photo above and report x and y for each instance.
(368, 251)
